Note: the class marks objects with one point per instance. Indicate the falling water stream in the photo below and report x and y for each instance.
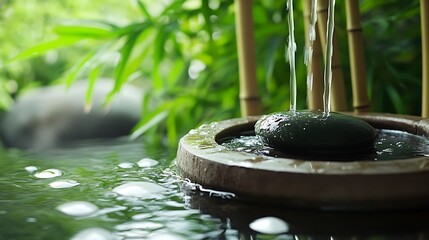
(308, 57)
(291, 49)
(328, 58)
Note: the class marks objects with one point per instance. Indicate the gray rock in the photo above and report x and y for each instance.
(312, 131)
(54, 116)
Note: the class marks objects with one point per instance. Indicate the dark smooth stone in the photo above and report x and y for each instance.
(313, 131)
(54, 116)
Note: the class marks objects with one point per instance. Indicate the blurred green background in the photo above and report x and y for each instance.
(183, 55)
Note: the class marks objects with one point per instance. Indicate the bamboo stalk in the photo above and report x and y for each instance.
(338, 93)
(424, 14)
(314, 92)
(357, 58)
(249, 99)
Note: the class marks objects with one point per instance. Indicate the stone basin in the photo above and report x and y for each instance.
(294, 182)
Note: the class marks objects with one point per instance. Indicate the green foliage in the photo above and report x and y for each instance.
(393, 51)
(183, 54)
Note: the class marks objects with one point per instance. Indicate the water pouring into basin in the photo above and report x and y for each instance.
(314, 131)
(338, 166)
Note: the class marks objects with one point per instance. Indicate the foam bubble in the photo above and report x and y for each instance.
(269, 225)
(48, 173)
(94, 234)
(139, 189)
(64, 184)
(77, 208)
(147, 162)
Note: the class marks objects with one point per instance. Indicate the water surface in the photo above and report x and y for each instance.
(121, 190)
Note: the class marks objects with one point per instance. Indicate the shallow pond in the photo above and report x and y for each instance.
(121, 190)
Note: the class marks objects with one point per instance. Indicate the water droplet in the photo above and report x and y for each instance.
(48, 173)
(388, 150)
(139, 189)
(269, 225)
(125, 165)
(64, 184)
(77, 208)
(147, 162)
(94, 234)
(31, 169)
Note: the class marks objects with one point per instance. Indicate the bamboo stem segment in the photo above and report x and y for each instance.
(338, 93)
(249, 98)
(357, 58)
(424, 14)
(315, 90)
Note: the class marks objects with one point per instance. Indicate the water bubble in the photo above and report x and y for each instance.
(77, 208)
(94, 234)
(64, 184)
(269, 225)
(48, 173)
(125, 165)
(139, 189)
(31, 169)
(147, 162)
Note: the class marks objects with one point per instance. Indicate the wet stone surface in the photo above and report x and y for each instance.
(313, 131)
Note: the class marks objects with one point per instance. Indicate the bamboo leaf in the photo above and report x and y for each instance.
(120, 77)
(158, 55)
(93, 76)
(83, 64)
(144, 10)
(142, 48)
(72, 74)
(133, 28)
(82, 31)
(145, 126)
(42, 48)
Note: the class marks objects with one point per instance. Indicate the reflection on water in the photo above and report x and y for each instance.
(112, 190)
(120, 190)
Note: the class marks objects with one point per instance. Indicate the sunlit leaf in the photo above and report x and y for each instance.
(43, 48)
(83, 31)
